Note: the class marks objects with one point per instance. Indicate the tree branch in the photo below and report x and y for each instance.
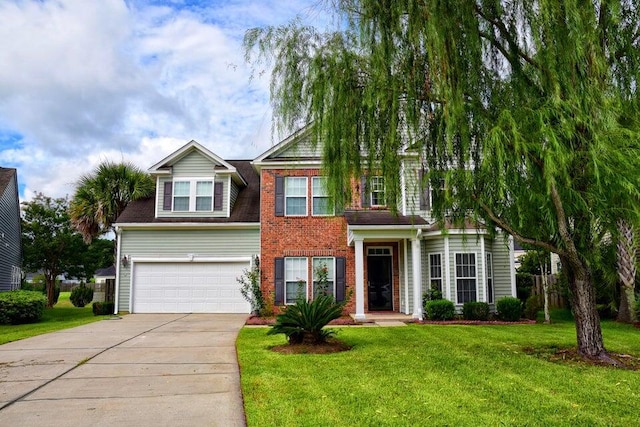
(506, 227)
(571, 253)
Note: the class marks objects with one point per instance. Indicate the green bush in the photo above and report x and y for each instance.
(17, 307)
(431, 294)
(440, 309)
(475, 310)
(532, 306)
(81, 296)
(303, 322)
(102, 308)
(509, 309)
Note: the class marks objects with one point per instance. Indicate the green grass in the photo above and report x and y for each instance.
(62, 316)
(439, 375)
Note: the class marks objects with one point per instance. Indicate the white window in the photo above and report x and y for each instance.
(489, 277)
(324, 266)
(193, 195)
(295, 196)
(435, 271)
(295, 279)
(320, 200)
(181, 192)
(465, 277)
(377, 191)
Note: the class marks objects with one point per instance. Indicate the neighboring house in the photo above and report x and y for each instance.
(10, 234)
(182, 250)
(104, 287)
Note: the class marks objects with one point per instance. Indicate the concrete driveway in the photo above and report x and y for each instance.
(138, 370)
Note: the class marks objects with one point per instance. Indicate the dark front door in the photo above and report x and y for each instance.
(380, 293)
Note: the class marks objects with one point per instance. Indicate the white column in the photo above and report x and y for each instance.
(416, 263)
(359, 279)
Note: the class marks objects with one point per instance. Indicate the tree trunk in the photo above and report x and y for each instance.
(583, 300)
(626, 253)
(50, 283)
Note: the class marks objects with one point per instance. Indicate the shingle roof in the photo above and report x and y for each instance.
(106, 272)
(382, 217)
(245, 209)
(6, 174)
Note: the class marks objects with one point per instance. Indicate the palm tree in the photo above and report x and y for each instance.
(626, 271)
(101, 197)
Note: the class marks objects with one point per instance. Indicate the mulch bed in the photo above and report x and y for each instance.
(571, 356)
(331, 346)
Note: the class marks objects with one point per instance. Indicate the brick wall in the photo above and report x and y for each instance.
(300, 236)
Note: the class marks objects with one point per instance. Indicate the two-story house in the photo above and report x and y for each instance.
(10, 237)
(182, 250)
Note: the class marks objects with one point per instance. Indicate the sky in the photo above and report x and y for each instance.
(84, 81)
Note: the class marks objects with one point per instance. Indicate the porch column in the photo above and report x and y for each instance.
(359, 246)
(416, 263)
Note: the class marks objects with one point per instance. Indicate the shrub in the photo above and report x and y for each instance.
(509, 309)
(303, 322)
(440, 309)
(475, 310)
(431, 294)
(532, 306)
(102, 308)
(81, 296)
(17, 307)
(250, 288)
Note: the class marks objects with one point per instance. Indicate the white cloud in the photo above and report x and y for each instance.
(84, 81)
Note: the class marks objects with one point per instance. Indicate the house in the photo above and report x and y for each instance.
(182, 250)
(10, 231)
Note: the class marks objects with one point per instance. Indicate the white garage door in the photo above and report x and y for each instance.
(190, 287)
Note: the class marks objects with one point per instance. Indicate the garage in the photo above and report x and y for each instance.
(188, 287)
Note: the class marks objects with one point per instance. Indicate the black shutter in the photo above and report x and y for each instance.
(217, 196)
(279, 195)
(168, 193)
(364, 193)
(279, 281)
(341, 282)
(425, 203)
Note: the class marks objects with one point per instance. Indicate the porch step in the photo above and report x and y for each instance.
(389, 323)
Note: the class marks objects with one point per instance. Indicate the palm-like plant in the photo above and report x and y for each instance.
(304, 321)
(101, 196)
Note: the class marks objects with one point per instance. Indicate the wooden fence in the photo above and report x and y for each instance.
(556, 300)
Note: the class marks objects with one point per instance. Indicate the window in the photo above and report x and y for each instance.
(320, 197)
(326, 264)
(377, 191)
(489, 277)
(204, 195)
(435, 271)
(466, 277)
(295, 277)
(181, 193)
(296, 196)
(438, 192)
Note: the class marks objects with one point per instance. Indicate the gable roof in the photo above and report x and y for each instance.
(6, 175)
(283, 145)
(245, 210)
(164, 165)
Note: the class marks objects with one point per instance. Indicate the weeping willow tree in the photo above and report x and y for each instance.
(528, 109)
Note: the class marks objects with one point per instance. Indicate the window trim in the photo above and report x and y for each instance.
(193, 195)
(313, 271)
(299, 279)
(456, 277)
(332, 211)
(306, 196)
(490, 278)
(383, 191)
(441, 278)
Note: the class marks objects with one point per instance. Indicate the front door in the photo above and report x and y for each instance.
(380, 291)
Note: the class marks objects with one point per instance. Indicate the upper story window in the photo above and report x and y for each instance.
(193, 195)
(295, 196)
(320, 197)
(377, 193)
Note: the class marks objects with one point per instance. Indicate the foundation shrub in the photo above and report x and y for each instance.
(440, 309)
(102, 308)
(81, 296)
(18, 307)
(509, 309)
(475, 310)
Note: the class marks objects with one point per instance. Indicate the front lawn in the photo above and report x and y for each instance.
(62, 316)
(439, 375)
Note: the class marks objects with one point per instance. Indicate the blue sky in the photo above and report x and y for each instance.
(84, 81)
